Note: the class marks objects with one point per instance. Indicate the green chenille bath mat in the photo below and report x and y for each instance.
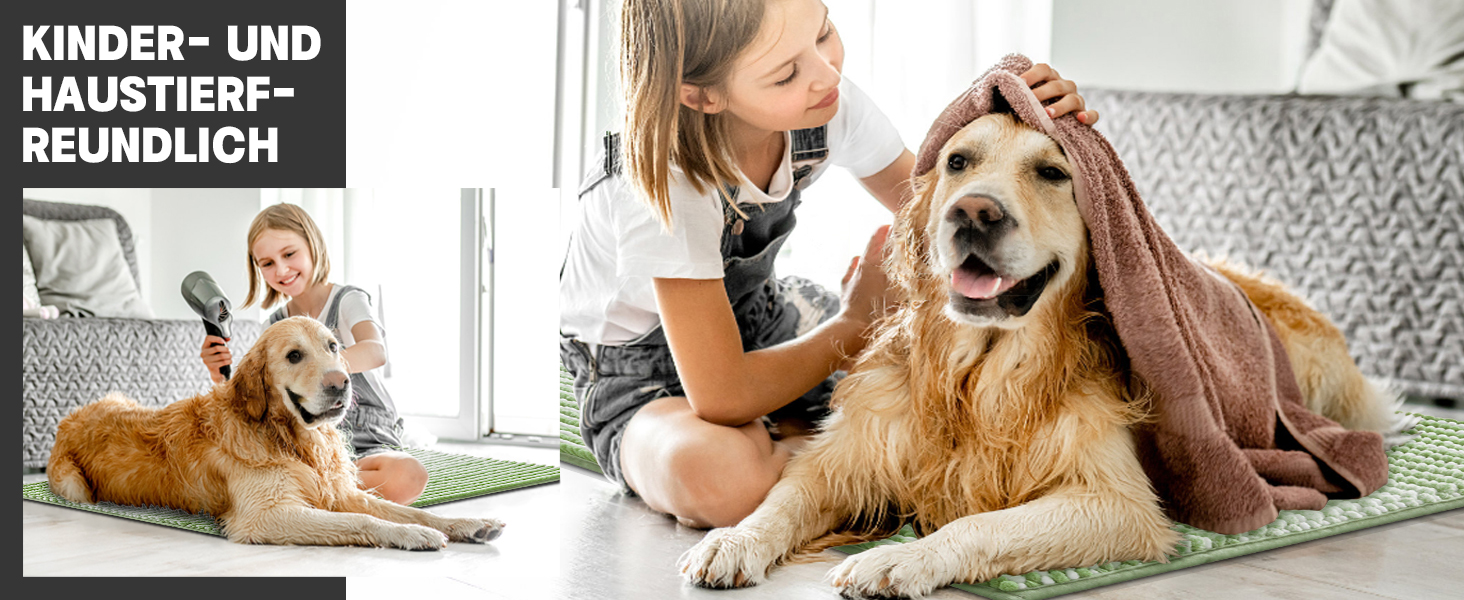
(571, 447)
(1427, 476)
(450, 477)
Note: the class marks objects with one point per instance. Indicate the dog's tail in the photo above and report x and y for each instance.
(1382, 411)
(812, 552)
(67, 480)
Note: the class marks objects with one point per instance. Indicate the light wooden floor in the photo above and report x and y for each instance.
(62, 541)
(613, 547)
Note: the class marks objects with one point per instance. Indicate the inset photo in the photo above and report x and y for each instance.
(1019, 299)
(289, 382)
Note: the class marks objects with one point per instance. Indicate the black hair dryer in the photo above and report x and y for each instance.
(206, 299)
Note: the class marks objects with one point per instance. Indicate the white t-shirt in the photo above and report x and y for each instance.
(618, 247)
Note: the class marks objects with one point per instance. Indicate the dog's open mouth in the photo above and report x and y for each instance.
(979, 290)
(336, 409)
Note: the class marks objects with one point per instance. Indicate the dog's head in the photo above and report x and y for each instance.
(993, 231)
(294, 371)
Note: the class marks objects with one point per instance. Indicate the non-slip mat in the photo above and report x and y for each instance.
(571, 447)
(450, 477)
(1426, 477)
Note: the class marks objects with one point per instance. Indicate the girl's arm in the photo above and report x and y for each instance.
(368, 352)
(727, 386)
(891, 186)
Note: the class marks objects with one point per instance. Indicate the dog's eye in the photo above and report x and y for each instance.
(332, 347)
(1052, 173)
(294, 357)
(956, 162)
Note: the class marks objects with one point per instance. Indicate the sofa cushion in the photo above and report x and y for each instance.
(1411, 49)
(80, 269)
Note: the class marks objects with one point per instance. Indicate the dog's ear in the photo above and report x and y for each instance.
(906, 246)
(252, 386)
(999, 104)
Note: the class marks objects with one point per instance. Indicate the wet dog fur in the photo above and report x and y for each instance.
(992, 410)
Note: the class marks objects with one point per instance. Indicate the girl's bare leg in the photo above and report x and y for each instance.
(395, 476)
(706, 475)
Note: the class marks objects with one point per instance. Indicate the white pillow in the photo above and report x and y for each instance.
(80, 268)
(1412, 48)
(31, 294)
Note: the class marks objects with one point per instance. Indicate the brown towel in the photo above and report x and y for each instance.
(1232, 441)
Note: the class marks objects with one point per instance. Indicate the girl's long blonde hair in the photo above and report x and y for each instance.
(663, 44)
(284, 217)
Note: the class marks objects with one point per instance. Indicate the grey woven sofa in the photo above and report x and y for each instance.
(1357, 203)
(69, 362)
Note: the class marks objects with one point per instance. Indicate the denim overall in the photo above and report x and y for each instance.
(612, 382)
(372, 424)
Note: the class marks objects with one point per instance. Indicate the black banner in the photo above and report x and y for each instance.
(181, 94)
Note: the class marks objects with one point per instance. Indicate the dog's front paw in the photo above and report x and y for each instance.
(413, 537)
(474, 531)
(727, 558)
(893, 571)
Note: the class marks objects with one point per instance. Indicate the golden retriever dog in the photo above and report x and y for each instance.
(991, 411)
(260, 452)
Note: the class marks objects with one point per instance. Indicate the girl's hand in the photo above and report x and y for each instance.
(215, 357)
(1046, 83)
(867, 295)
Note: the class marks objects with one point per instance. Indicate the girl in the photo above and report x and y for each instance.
(680, 337)
(287, 253)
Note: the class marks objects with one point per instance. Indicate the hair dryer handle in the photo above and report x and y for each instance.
(214, 330)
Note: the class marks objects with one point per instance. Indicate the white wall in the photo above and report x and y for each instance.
(452, 91)
(200, 230)
(1220, 46)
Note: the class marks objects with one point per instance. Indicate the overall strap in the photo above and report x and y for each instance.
(610, 165)
(810, 148)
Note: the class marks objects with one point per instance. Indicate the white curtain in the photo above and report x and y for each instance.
(914, 56)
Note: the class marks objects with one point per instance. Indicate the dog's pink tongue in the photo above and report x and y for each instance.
(979, 287)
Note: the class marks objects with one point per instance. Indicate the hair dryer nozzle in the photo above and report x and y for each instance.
(206, 298)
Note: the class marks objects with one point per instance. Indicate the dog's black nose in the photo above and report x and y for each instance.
(979, 212)
(336, 382)
(981, 222)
